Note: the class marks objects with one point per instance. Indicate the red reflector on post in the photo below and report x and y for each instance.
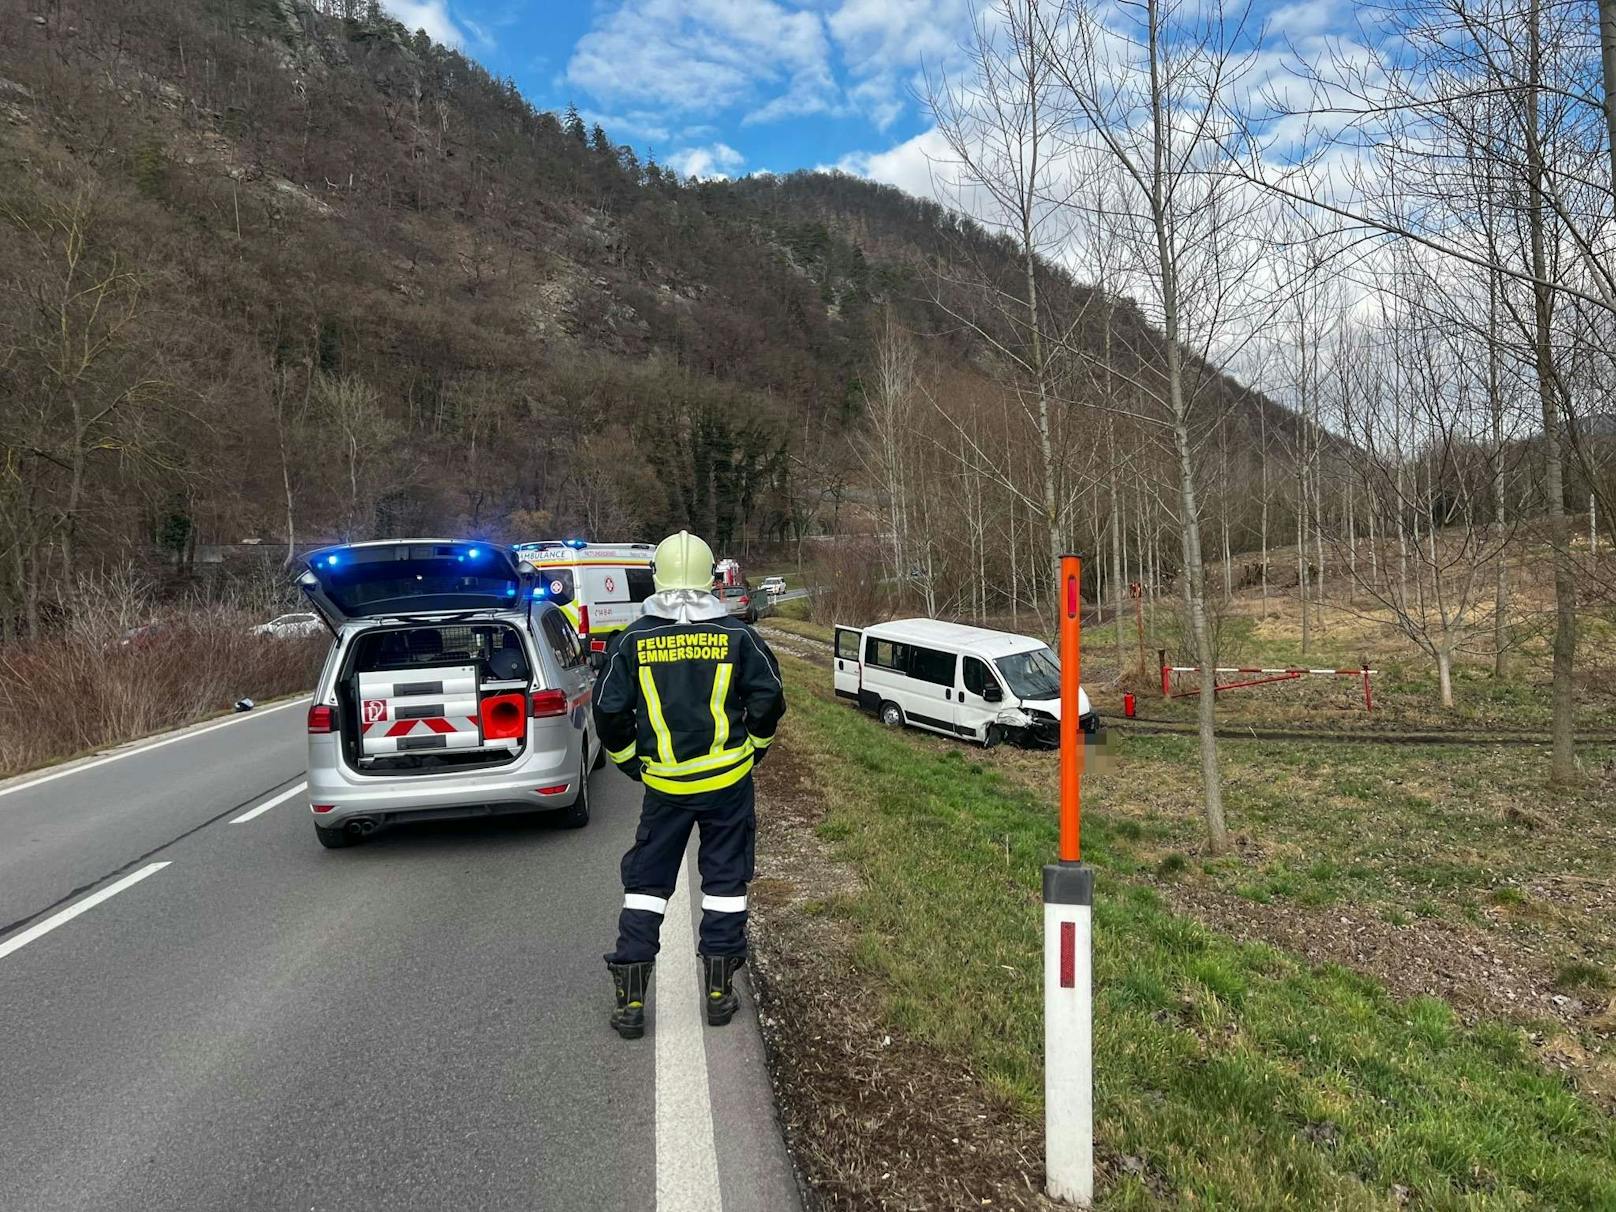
(548, 703)
(502, 717)
(322, 719)
(1071, 597)
(1068, 955)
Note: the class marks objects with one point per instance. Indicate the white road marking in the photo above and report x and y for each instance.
(168, 740)
(686, 1159)
(268, 804)
(20, 941)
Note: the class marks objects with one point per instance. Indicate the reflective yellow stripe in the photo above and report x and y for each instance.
(653, 703)
(694, 787)
(621, 755)
(695, 765)
(721, 677)
(760, 742)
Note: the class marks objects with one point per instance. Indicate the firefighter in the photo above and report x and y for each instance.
(687, 704)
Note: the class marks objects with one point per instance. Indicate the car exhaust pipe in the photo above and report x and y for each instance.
(359, 826)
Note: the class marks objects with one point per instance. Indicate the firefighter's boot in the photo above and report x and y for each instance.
(718, 981)
(630, 982)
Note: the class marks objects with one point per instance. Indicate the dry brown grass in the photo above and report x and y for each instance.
(84, 689)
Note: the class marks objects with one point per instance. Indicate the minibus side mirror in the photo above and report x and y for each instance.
(991, 693)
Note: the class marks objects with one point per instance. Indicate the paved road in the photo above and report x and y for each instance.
(240, 1019)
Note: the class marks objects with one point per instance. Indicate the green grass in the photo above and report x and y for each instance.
(1244, 1077)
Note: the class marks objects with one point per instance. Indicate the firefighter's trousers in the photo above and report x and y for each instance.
(728, 828)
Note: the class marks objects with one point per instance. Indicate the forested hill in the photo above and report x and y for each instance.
(276, 272)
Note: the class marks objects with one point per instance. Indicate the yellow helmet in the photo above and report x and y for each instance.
(682, 561)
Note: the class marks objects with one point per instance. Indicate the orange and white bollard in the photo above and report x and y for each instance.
(1068, 948)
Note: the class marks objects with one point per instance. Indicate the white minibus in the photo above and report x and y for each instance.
(989, 686)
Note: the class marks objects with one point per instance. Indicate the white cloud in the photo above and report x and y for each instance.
(717, 161)
(885, 42)
(920, 166)
(432, 16)
(706, 55)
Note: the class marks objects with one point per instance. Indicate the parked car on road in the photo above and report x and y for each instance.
(454, 689)
(292, 626)
(742, 601)
(989, 686)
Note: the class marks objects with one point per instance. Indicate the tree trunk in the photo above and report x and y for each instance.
(1495, 399)
(1189, 528)
(1563, 764)
(1301, 548)
(1444, 671)
(1262, 470)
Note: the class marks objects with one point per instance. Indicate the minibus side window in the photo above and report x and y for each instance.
(847, 645)
(885, 654)
(929, 665)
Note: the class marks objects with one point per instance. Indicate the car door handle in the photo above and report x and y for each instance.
(948, 694)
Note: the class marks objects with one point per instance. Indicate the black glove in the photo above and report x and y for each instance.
(633, 769)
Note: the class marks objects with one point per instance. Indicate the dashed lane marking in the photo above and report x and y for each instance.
(77, 907)
(268, 804)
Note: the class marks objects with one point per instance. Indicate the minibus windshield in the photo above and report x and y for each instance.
(1031, 675)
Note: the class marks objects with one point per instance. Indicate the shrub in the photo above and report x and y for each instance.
(84, 688)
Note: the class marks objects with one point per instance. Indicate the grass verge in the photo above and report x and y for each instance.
(1228, 1074)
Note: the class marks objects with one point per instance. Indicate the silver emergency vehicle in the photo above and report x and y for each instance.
(455, 688)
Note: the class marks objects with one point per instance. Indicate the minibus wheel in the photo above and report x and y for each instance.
(892, 715)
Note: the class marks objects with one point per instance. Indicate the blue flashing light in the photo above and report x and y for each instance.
(577, 544)
(474, 552)
(538, 593)
(331, 560)
(510, 591)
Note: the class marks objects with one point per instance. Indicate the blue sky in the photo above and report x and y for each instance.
(717, 86)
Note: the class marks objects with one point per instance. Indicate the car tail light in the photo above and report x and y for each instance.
(547, 703)
(597, 645)
(502, 717)
(322, 718)
(745, 600)
(322, 807)
(583, 619)
(555, 790)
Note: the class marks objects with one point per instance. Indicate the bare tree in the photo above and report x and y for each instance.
(1000, 125)
(352, 410)
(1153, 88)
(1414, 398)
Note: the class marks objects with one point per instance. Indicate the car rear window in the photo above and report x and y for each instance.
(374, 587)
(495, 647)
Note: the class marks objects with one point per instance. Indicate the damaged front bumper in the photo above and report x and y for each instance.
(1036, 729)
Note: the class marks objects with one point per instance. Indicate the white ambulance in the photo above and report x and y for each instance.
(988, 686)
(600, 587)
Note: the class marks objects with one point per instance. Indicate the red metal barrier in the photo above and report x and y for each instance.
(1287, 674)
